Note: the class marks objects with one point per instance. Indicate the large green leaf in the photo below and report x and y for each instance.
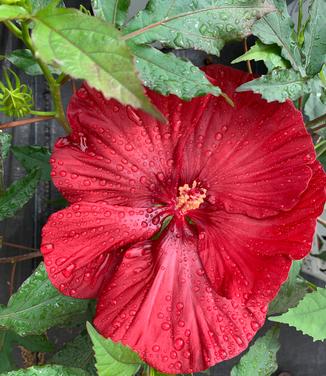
(77, 353)
(278, 27)
(48, 370)
(38, 306)
(168, 74)
(32, 157)
(269, 53)
(279, 85)
(291, 292)
(309, 315)
(9, 12)
(261, 357)
(18, 194)
(113, 11)
(89, 48)
(314, 47)
(202, 24)
(5, 143)
(112, 358)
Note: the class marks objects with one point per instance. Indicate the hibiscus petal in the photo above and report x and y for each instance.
(81, 244)
(189, 326)
(254, 158)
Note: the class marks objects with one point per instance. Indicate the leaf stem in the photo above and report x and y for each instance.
(245, 46)
(14, 259)
(316, 121)
(43, 113)
(18, 123)
(321, 221)
(14, 29)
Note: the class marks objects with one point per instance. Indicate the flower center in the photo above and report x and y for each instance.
(190, 197)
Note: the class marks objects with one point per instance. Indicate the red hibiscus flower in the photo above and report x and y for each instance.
(183, 231)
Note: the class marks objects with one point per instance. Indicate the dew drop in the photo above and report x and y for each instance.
(179, 344)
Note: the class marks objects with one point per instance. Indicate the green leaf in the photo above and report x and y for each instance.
(309, 315)
(89, 48)
(113, 11)
(168, 74)
(278, 85)
(24, 60)
(40, 4)
(269, 53)
(112, 358)
(48, 370)
(321, 255)
(261, 357)
(77, 353)
(9, 12)
(201, 24)
(32, 157)
(321, 156)
(278, 27)
(314, 47)
(291, 292)
(316, 103)
(18, 194)
(38, 306)
(5, 143)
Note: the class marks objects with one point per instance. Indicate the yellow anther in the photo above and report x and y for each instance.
(190, 197)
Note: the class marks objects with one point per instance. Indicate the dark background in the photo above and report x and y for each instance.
(299, 355)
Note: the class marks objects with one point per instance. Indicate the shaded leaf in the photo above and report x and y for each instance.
(9, 12)
(321, 156)
(314, 46)
(309, 316)
(112, 358)
(18, 194)
(278, 85)
(89, 48)
(315, 105)
(322, 255)
(113, 11)
(32, 157)
(5, 143)
(261, 357)
(48, 370)
(270, 54)
(201, 24)
(291, 292)
(168, 74)
(40, 4)
(38, 306)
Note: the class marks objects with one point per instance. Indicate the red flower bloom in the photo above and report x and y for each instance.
(243, 189)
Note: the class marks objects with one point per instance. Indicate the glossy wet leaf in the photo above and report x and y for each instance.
(269, 53)
(202, 24)
(32, 157)
(9, 12)
(38, 306)
(315, 105)
(261, 357)
(18, 194)
(291, 292)
(314, 47)
(112, 358)
(168, 74)
(77, 353)
(89, 48)
(113, 11)
(5, 143)
(47, 370)
(278, 85)
(309, 316)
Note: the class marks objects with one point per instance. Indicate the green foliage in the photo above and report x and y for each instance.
(269, 53)
(309, 315)
(34, 157)
(47, 371)
(9, 12)
(314, 47)
(315, 105)
(195, 24)
(261, 357)
(88, 48)
(291, 292)
(18, 194)
(38, 306)
(5, 143)
(279, 85)
(168, 74)
(8, 339)
(113, 359)
(77, 353)
(113, 11)
(321, 156)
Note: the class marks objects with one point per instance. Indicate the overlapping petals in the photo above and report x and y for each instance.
(202, 285)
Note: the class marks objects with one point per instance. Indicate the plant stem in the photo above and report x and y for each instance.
(316, 121)
(321, 221)
(18, 123)
(14, 259)
(18, 246)
(321, 126)
(14, 29)
(43, 113)
(245, 46)
(53, 84)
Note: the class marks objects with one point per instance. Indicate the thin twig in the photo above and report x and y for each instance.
(18, 246)
(321, 126)
(245, 46)
(321, 221)
(15, 259)
(317, 121)
(12, 279)
(73, 85)
(18, 123)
